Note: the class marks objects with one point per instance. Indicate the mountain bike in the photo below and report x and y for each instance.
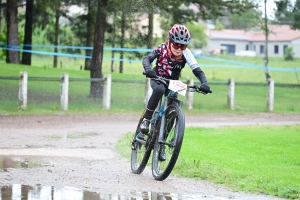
(166, 132)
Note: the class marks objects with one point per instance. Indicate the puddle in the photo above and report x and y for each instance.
(17, 191)
(28, 161)
(20, 162)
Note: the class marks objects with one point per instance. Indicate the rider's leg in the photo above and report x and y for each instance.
(158, 91)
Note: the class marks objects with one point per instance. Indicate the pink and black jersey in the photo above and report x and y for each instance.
(168, 68)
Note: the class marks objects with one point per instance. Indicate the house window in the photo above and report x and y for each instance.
(247, 47)
(261, 49)
(284, 48)
(254, 48)
(276, 49)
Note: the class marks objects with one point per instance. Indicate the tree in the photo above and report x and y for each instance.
(267, 32)
(199, 37)
(244, 21)
(122, 40)
(13, 56)
(215, 8)
(26, 57)
(97, 58)
(287, 13)
(90, 30)
(83, 26)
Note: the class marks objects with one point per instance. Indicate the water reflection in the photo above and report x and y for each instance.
(20, 192)
(16, 162)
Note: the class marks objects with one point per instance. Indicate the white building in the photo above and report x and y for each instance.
(239, 42)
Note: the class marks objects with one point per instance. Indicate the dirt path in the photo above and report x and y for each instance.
(79, 151)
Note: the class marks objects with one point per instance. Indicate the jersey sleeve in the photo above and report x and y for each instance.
(147, 61)
(192, 62)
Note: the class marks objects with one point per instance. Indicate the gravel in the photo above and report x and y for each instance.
(79, 151)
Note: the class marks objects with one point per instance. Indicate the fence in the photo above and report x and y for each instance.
(63, 97)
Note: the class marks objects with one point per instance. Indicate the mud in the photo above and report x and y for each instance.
(79, 152)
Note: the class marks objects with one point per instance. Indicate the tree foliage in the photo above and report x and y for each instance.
(288, 13)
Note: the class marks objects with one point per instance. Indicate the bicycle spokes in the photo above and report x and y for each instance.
(169, 136)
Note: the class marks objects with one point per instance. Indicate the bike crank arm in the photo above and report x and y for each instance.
(167, 143)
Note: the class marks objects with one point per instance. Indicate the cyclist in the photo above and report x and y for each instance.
(171, 58)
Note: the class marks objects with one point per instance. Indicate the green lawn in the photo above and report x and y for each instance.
(256, 159)
(128, 96)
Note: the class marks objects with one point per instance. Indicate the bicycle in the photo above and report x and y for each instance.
(165, 132)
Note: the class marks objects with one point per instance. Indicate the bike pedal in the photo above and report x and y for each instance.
(133, 146)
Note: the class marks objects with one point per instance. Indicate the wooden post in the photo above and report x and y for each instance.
(230, 95)
(23, 90)
(64, 91)
(148, 91)
(190, 95)
(270, 95)
(107, 92)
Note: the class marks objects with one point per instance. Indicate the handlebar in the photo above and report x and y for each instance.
(165, 82)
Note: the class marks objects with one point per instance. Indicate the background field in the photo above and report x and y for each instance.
(128, 88)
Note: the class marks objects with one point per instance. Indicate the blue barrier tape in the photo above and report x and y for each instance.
(240, 64)
(82, 48)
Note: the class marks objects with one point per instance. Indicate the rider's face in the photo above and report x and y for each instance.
(177, 49)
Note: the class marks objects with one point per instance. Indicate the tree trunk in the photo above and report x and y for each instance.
(266, 43)
(1, 17)
(13, 56)
(56, 38)
(123, 23)
(96, 89)
(26, 57)
(150, 29)
(113, 40)
(89, 35)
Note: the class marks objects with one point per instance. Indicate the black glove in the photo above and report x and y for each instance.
(205, 89)
(150, 73)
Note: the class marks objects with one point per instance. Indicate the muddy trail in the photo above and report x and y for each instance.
(78, 151)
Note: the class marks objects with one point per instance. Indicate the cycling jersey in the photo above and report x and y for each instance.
(169, 68)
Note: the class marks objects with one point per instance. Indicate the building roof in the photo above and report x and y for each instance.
(277, 33)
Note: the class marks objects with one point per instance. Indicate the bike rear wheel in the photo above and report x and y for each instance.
(173, 135)
(139, 153)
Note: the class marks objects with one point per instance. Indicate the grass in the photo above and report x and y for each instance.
(256, 159)
(43, 96)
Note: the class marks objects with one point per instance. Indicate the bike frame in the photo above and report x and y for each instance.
(160, 113)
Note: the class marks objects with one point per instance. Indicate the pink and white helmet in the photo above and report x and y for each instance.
(179, 34)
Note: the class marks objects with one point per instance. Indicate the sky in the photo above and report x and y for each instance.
(270, 7)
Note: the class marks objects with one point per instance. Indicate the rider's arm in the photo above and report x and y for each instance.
(192, 62)
(149, 59)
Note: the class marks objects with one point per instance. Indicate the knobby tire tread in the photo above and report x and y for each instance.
(180, 132)
(139, 169)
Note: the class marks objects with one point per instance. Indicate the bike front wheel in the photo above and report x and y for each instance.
(139, 153)
(165, 155)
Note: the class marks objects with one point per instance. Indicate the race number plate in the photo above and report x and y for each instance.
(178, 86)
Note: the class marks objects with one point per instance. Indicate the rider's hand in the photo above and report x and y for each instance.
(150, 73)
(205, 89)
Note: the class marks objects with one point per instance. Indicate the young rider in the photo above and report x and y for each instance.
(171, 58)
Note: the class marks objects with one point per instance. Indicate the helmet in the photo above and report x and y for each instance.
(179, 34)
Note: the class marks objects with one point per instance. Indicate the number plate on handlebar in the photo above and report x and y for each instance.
(178, 86)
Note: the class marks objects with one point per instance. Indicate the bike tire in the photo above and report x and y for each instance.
(174, 130)
(140, 155)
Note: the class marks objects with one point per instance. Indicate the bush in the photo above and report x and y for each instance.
(289, 54)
